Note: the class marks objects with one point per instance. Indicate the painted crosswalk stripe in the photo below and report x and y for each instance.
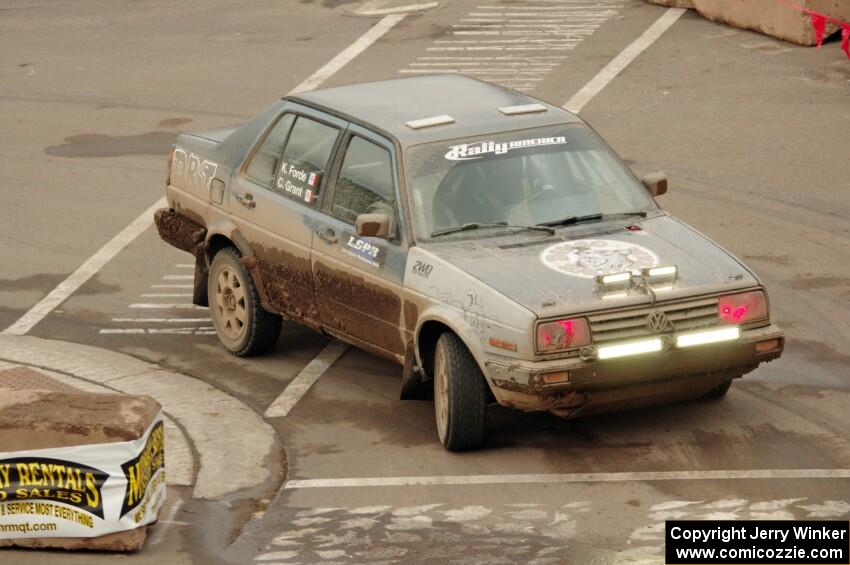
(163, 306)
(161, 320)
(638, 476)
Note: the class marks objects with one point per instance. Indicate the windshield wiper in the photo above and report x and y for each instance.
(570, 220)
(477, 225)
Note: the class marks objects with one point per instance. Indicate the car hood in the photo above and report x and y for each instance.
(554, 275)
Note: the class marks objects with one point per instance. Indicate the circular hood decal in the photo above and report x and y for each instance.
(588, 258)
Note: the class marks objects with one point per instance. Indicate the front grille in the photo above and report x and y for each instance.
(631, 324)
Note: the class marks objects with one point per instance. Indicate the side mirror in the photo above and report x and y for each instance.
(656, 183)
(374, 225)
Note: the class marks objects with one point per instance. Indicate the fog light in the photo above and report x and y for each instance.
(767, 346)
(555, 378)
(633, 348)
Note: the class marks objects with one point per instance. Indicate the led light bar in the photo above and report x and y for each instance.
(657, 272)
(616, 278)
(710, 336)
(633, 348)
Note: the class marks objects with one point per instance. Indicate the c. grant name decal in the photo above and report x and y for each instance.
(71, 483)
(467, 151)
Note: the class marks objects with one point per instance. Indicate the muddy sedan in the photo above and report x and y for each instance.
(491, 244)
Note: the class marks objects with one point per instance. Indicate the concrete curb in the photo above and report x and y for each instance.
(233, 443)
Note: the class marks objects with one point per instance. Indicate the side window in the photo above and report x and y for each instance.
(365, 183)
(305, 159)
(263, 165)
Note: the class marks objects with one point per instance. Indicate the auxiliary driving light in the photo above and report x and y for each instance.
(633, 348)
(668, 272)
(614, 279)
(710, 336)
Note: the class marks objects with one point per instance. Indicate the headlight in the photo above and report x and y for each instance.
(742, 307)
(562, 334)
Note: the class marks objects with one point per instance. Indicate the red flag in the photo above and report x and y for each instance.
(819, 25)
(845, 38)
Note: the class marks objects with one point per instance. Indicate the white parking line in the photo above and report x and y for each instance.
(96, 262)
(299, 386)
(621, 61)
(178, 278)
(349, 53)
(84, 272)
(645, 476)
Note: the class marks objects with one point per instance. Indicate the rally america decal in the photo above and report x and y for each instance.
(363, 250)
(83, 491)
(467, 151)
(588, 258)
(298, 183)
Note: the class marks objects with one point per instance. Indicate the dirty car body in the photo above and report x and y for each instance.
(388, 214)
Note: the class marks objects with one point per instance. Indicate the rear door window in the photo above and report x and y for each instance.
(304, 163)
(263, 165)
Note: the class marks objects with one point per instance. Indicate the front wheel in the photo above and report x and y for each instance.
(240, 321)
(460, 395)
(719, 391)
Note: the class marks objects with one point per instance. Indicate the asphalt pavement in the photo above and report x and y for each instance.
(750, 130)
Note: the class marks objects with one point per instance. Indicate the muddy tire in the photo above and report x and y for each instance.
(241, 323)
(460, 395)
(719, 391)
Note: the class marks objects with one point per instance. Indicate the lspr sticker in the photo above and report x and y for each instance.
(588, 258)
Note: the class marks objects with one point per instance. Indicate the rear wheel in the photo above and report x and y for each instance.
(460, 395)
(240, 321)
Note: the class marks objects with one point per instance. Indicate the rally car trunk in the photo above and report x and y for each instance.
(555, 275)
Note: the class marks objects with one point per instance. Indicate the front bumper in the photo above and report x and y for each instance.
(634, 380)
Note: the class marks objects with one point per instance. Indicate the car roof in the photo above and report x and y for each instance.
(473, 104)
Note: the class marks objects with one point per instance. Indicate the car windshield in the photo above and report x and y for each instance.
(520, 178)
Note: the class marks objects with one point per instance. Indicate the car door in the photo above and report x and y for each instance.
(274, 202)
(359, 279)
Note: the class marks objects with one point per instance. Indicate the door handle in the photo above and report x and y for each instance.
(328, 235)
(246, 199)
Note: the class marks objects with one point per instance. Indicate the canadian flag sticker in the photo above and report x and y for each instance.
(308, 196)
(313, 180)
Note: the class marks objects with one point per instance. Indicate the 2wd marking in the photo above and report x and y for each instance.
(423, 269)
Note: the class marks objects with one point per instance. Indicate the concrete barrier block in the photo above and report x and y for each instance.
(87, 464)
(773, 18)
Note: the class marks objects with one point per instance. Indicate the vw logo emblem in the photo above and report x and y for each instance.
(658, 322)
